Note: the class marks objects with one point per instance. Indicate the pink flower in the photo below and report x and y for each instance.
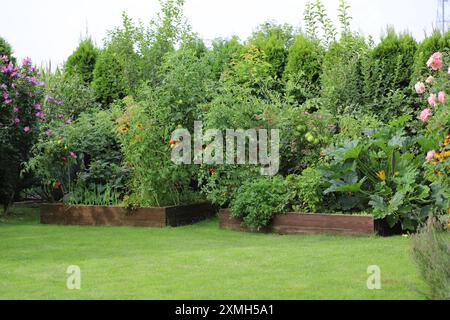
(37, 106)
(15, 110)
(425, 114)
(442, 97)
(430, 155)
(5, 58)
(420, 87)
(5, 95)
(40, 114)
(432, 100)
(430, 79)
(435, 61)
(17, 120)
(26, 61)
(32, 80)
(26, 129)
(73, 155)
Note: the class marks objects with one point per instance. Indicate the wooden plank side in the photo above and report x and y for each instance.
(118, 216)
(319, 223)
(294, 223)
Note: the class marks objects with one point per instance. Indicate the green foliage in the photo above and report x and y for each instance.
(303, 135)
(354, 126)
(222, 53)
(109, 83)
(99, 196)
(318, 24)
(250, 70)
(431, 253)
(145, 129)
(78, 159)
(341, 77)
(82, 61)
(161, 37)
(257, 201)
(5, 48)
(380, 170)
(220, 183)
(235, 108)
(147, 126)
(274, 40)
(393, 58)
(306, 191)
(74, 94)
(118, 68)
(434, 43)
(304, 65)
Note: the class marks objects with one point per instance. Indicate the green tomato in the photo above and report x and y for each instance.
(309, 137)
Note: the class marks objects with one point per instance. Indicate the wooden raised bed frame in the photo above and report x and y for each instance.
(296, 223)
(118, 216)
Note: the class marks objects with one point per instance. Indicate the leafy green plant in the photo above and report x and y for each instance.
(306, 191)
(97, 196)
(303, 68)
(84, 154)
(342, 81)
(431, 253)
(380, 171)
(274, 40)
(82, 61)
(434, 43)
(257, 201)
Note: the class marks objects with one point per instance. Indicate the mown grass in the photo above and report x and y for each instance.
(196, 262)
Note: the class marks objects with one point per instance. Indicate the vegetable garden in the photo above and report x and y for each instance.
(364, 127)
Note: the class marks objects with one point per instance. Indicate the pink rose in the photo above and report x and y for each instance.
(420, 87)
(430, 79)
(442, 97)
(425, 114)
(435, 61)
(432, 100)
(26, 129)
(430, 155)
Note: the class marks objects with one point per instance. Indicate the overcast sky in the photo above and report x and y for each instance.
(50, 29)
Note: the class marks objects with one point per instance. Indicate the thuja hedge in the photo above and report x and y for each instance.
(347, 109)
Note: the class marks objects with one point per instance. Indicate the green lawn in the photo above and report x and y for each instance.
(196, 262)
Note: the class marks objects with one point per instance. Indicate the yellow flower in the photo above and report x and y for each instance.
(123, 129)
(381, 175)
(139, 126)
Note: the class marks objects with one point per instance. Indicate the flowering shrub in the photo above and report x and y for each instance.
(20, 116)
(75, 160)
(435, 139)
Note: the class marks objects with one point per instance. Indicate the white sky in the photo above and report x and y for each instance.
(50, 29)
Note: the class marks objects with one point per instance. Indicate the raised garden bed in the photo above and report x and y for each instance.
(296, 223)
(118, 216)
